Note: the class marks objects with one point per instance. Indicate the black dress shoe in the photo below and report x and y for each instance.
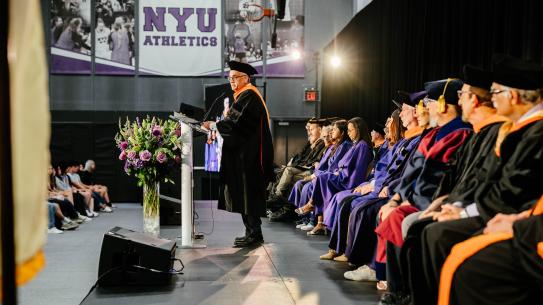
(237, 239)
(390, 298)
(249, 241)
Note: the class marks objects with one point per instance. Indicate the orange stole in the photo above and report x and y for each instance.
(510, 127)
(413, 132)
(255, 90)
(464, 250)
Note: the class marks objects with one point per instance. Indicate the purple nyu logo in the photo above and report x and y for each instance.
(154, 21)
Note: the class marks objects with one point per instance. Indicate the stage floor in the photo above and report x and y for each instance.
(285, 270)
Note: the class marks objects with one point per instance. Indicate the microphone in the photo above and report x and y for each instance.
(212, 106)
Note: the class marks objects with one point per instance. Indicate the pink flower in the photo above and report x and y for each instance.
(161, 157)
(145, 155)
(124, 145)
(132, 155)
(178, 132)
(122, 156)
(177, 159)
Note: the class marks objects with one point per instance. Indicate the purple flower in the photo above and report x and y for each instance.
(122, 156)
(157, 131)
(177, 159)
(161, 157)
(123, 145)
(126, 166)
(145, 155)
(138, 164)
(132, 155)
(138, 121)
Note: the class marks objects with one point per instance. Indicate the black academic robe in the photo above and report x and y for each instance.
(460, 179)
(459, 182)
(247, 156)
(511, 182)
(299, 157)
(313, 156)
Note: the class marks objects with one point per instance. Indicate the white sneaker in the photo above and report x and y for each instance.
(89, 213)
(363, 273)
(94, 214)
(107, 209)
(301, 225)
(307, 227)
(83, 218)
(54, 230)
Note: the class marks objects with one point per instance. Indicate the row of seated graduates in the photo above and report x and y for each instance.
(469, 162)
(73, 197)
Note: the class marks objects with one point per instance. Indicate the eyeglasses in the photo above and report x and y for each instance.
(497, 91)
(460, 92)
(231, 78)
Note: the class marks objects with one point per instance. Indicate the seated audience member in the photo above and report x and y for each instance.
(503, 266)
(511, 178)
(353, 170)
(51, 228)
(303, 189)
(63, 183)
(65, 199)
(75, 181)
(62, 222)
(87, 177)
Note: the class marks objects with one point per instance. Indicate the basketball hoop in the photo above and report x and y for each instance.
(253, 12)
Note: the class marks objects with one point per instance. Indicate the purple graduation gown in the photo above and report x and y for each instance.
(331, 208)
(352, 170)
(302, 190)
(400, 153)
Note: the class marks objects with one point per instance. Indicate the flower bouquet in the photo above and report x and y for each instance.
(150, 148)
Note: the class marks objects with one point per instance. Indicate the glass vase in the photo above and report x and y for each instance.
(151, 207)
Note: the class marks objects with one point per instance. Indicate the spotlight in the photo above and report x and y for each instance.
(335, 61)
(296, 55)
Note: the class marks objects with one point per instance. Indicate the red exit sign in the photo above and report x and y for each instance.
(311, 95)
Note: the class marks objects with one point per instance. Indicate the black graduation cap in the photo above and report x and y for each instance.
(242, 67)
(477, 77)
(411, 99)
(513, 72)
(448, 88)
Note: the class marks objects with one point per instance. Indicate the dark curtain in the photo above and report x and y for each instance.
(398, 45)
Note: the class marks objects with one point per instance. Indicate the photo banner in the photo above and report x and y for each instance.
(70, 37)
(243, 41)
(180, 37)
(114, 37)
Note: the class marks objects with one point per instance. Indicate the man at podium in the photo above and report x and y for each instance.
(247, 154)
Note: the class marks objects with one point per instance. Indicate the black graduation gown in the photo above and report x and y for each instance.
(459, 182)
(460, 179)
(247, 157)
(511, 183)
